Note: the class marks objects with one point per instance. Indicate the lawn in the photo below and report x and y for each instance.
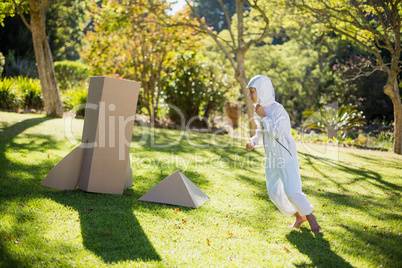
(356, 195)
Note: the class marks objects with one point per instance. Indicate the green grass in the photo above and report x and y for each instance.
(356, 195)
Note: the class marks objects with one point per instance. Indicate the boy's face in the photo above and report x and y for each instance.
(252, 94)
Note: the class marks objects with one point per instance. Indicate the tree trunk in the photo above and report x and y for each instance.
(398, 128)
(241, 78)
(240, 69)
(332, 132)
(392, 90)
(44, 61)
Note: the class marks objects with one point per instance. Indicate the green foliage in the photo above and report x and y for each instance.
(21, 92)
(130, 41)
(71, 73)
(385, 136)
(75, 99)
(16, 66)
(331, 119)
(193, 85)
(30, 91)
(7, 8)
(8, 94)
(65, 24)
(210, 50)
(301, 70)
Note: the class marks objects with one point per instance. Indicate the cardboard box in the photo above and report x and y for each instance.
(101, 163)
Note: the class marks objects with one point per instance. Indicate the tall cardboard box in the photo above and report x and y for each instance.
(101, 163)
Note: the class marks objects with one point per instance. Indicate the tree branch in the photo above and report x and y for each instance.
(206, 28)
(386, 38)
(345, 12)
(18, 7)
(266, 20)
(201, 30)
(318, 14)
(375, 52)
(227, 20)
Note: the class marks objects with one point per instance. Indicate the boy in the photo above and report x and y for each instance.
(281, 162)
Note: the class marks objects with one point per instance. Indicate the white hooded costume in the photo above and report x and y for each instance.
(281, 162)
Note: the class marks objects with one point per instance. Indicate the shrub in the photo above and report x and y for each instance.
(364, 139)
(71, 74)
(75, 100)
(332, 120)
(8, 94)
(31, 92)
(19, 67)
(194, 86)
(385, 136)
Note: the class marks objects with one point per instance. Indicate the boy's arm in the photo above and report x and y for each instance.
(277, 124)
(257, 138)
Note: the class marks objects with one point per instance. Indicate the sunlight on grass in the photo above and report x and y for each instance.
(356, 195)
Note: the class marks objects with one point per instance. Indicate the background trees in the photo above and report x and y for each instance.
(249, 26)
(375, 25)
(130, 42)
(316, 52)
(37, 25)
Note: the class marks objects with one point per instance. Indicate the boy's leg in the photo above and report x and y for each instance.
(312, 220)
(278, 197)
(299, 220)
(290, 177)
(292, 186)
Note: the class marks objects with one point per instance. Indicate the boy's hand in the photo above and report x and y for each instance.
(250, 146)
(260, 111)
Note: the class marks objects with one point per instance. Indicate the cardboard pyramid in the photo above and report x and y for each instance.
(178, 190)
(101, 163)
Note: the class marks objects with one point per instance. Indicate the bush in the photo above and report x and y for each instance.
(19, 67)
(31, 92)
(71, 74)
(8, 94)
(332, 119)
(194, 87)
(75, 100)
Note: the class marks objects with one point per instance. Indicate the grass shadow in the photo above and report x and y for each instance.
(317, 248)
(108, 226)
(390, 163)
(371, 176)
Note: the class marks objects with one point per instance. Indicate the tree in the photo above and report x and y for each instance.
(376, 26)
(129, 41)
(248, 27)
(66, 22)
(301, 70)
(37, 11)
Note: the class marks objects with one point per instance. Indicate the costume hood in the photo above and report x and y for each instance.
(265, 90)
